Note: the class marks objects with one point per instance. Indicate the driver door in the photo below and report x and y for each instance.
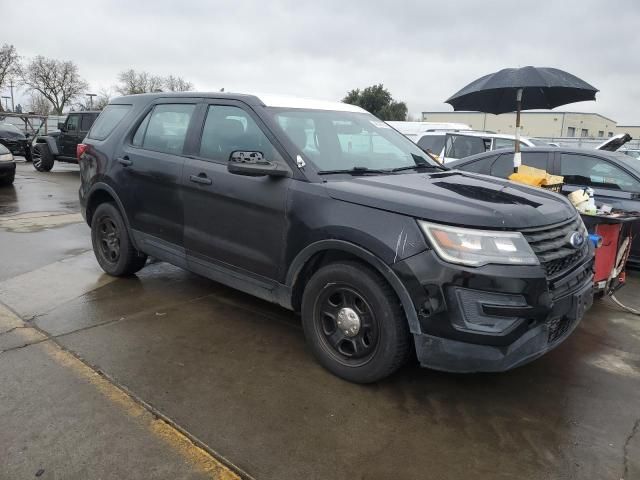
(233, 222)
(69, 136)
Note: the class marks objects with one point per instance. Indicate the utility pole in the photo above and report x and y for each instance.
(90, 95)
(11, 85)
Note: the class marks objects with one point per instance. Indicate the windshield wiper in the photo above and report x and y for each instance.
(355, 171)
(418, 166)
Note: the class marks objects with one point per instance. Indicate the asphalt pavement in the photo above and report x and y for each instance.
(170, 375)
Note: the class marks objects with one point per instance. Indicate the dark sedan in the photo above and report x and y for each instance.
(16, 141)
(614, 177)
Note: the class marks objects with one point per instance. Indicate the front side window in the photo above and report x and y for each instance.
(107, 121)
(166, 129)
(596, 172)
(338, 140)
(72, 123)
(230, 129)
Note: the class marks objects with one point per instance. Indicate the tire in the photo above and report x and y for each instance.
(361, 349)
(42, 158)
(28, 154)
(5, 182)
(111, 243)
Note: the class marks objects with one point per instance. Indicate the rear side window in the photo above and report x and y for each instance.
(432, 143)
(167, 128)
(108, 120)
(503, 167)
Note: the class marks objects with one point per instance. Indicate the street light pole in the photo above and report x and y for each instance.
(90, 95)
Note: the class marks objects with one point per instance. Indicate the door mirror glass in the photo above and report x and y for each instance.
(253, 164)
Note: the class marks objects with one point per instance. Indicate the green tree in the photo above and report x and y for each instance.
(378, 101)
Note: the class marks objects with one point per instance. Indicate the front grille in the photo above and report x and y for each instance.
(557, 328)
(550, 246)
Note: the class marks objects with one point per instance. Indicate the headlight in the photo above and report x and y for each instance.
(475, 248)
(6, 157)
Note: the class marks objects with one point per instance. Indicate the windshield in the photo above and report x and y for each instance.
(336, 140)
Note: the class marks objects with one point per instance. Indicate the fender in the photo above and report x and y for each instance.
(405, 299)
(51, 143)
(104, 187)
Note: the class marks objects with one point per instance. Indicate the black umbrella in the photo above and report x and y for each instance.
(516, 89)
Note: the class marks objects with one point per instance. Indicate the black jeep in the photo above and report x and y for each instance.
(324, 209)
(61, 145)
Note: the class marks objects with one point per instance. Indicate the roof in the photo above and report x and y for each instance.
(261, 99)
(625, 160)
(527, 112)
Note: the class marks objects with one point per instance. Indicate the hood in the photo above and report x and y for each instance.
(11, 133)
(615, 142)
(456, 198)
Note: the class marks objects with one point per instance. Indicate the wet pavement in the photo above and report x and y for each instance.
(232, 374)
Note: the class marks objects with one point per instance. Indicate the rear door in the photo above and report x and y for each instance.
(150, 170)
(69, 136)
(233, 221)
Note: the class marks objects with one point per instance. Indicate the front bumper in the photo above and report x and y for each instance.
(7, 169)
(492, 318)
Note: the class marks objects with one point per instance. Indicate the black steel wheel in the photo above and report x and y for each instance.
(353, 322)
(347, 324)
(111, 243)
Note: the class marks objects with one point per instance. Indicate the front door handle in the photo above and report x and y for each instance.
(125, 161)
(202, 178)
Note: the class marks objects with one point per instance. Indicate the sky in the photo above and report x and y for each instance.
(422, 51)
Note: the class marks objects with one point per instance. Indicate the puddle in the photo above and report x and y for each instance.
(36, 221)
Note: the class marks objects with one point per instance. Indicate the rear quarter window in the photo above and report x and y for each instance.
(108, 121)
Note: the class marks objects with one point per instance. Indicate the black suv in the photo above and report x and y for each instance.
(324, 209)
(61, 145)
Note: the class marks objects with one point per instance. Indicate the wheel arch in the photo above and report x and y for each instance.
(50, 142)
(320, 253)
(101, 193)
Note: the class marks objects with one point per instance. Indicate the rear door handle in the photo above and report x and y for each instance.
(125, 161)
(202, 178)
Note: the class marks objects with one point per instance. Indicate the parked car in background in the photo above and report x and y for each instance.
(414, 130)
(61, 145)
(324, 209)
(633, 153)
(614, 177)
(449, 146)
(16, 141)
(7, 166)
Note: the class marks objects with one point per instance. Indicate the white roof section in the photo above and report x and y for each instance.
(415, 128)
(285, 101)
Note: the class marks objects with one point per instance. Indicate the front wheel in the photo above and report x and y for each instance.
(111, 243)
(42, 158)
(353, 323)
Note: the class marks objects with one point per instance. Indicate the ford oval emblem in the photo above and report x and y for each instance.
(576, 239)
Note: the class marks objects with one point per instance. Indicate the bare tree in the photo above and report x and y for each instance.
(58, 81)
(39, 104)
(103, 99)
(9, 63)
(131, 82)
(177, 84)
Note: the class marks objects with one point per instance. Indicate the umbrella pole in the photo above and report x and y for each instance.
(517, 160)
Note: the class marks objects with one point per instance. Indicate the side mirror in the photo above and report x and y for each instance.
(253, 164)
(61, 126)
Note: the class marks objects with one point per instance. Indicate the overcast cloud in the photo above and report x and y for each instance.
(423, 51)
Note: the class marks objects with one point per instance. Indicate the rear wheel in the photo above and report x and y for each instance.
(111, 243)
(353, 323)
(42, 158)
